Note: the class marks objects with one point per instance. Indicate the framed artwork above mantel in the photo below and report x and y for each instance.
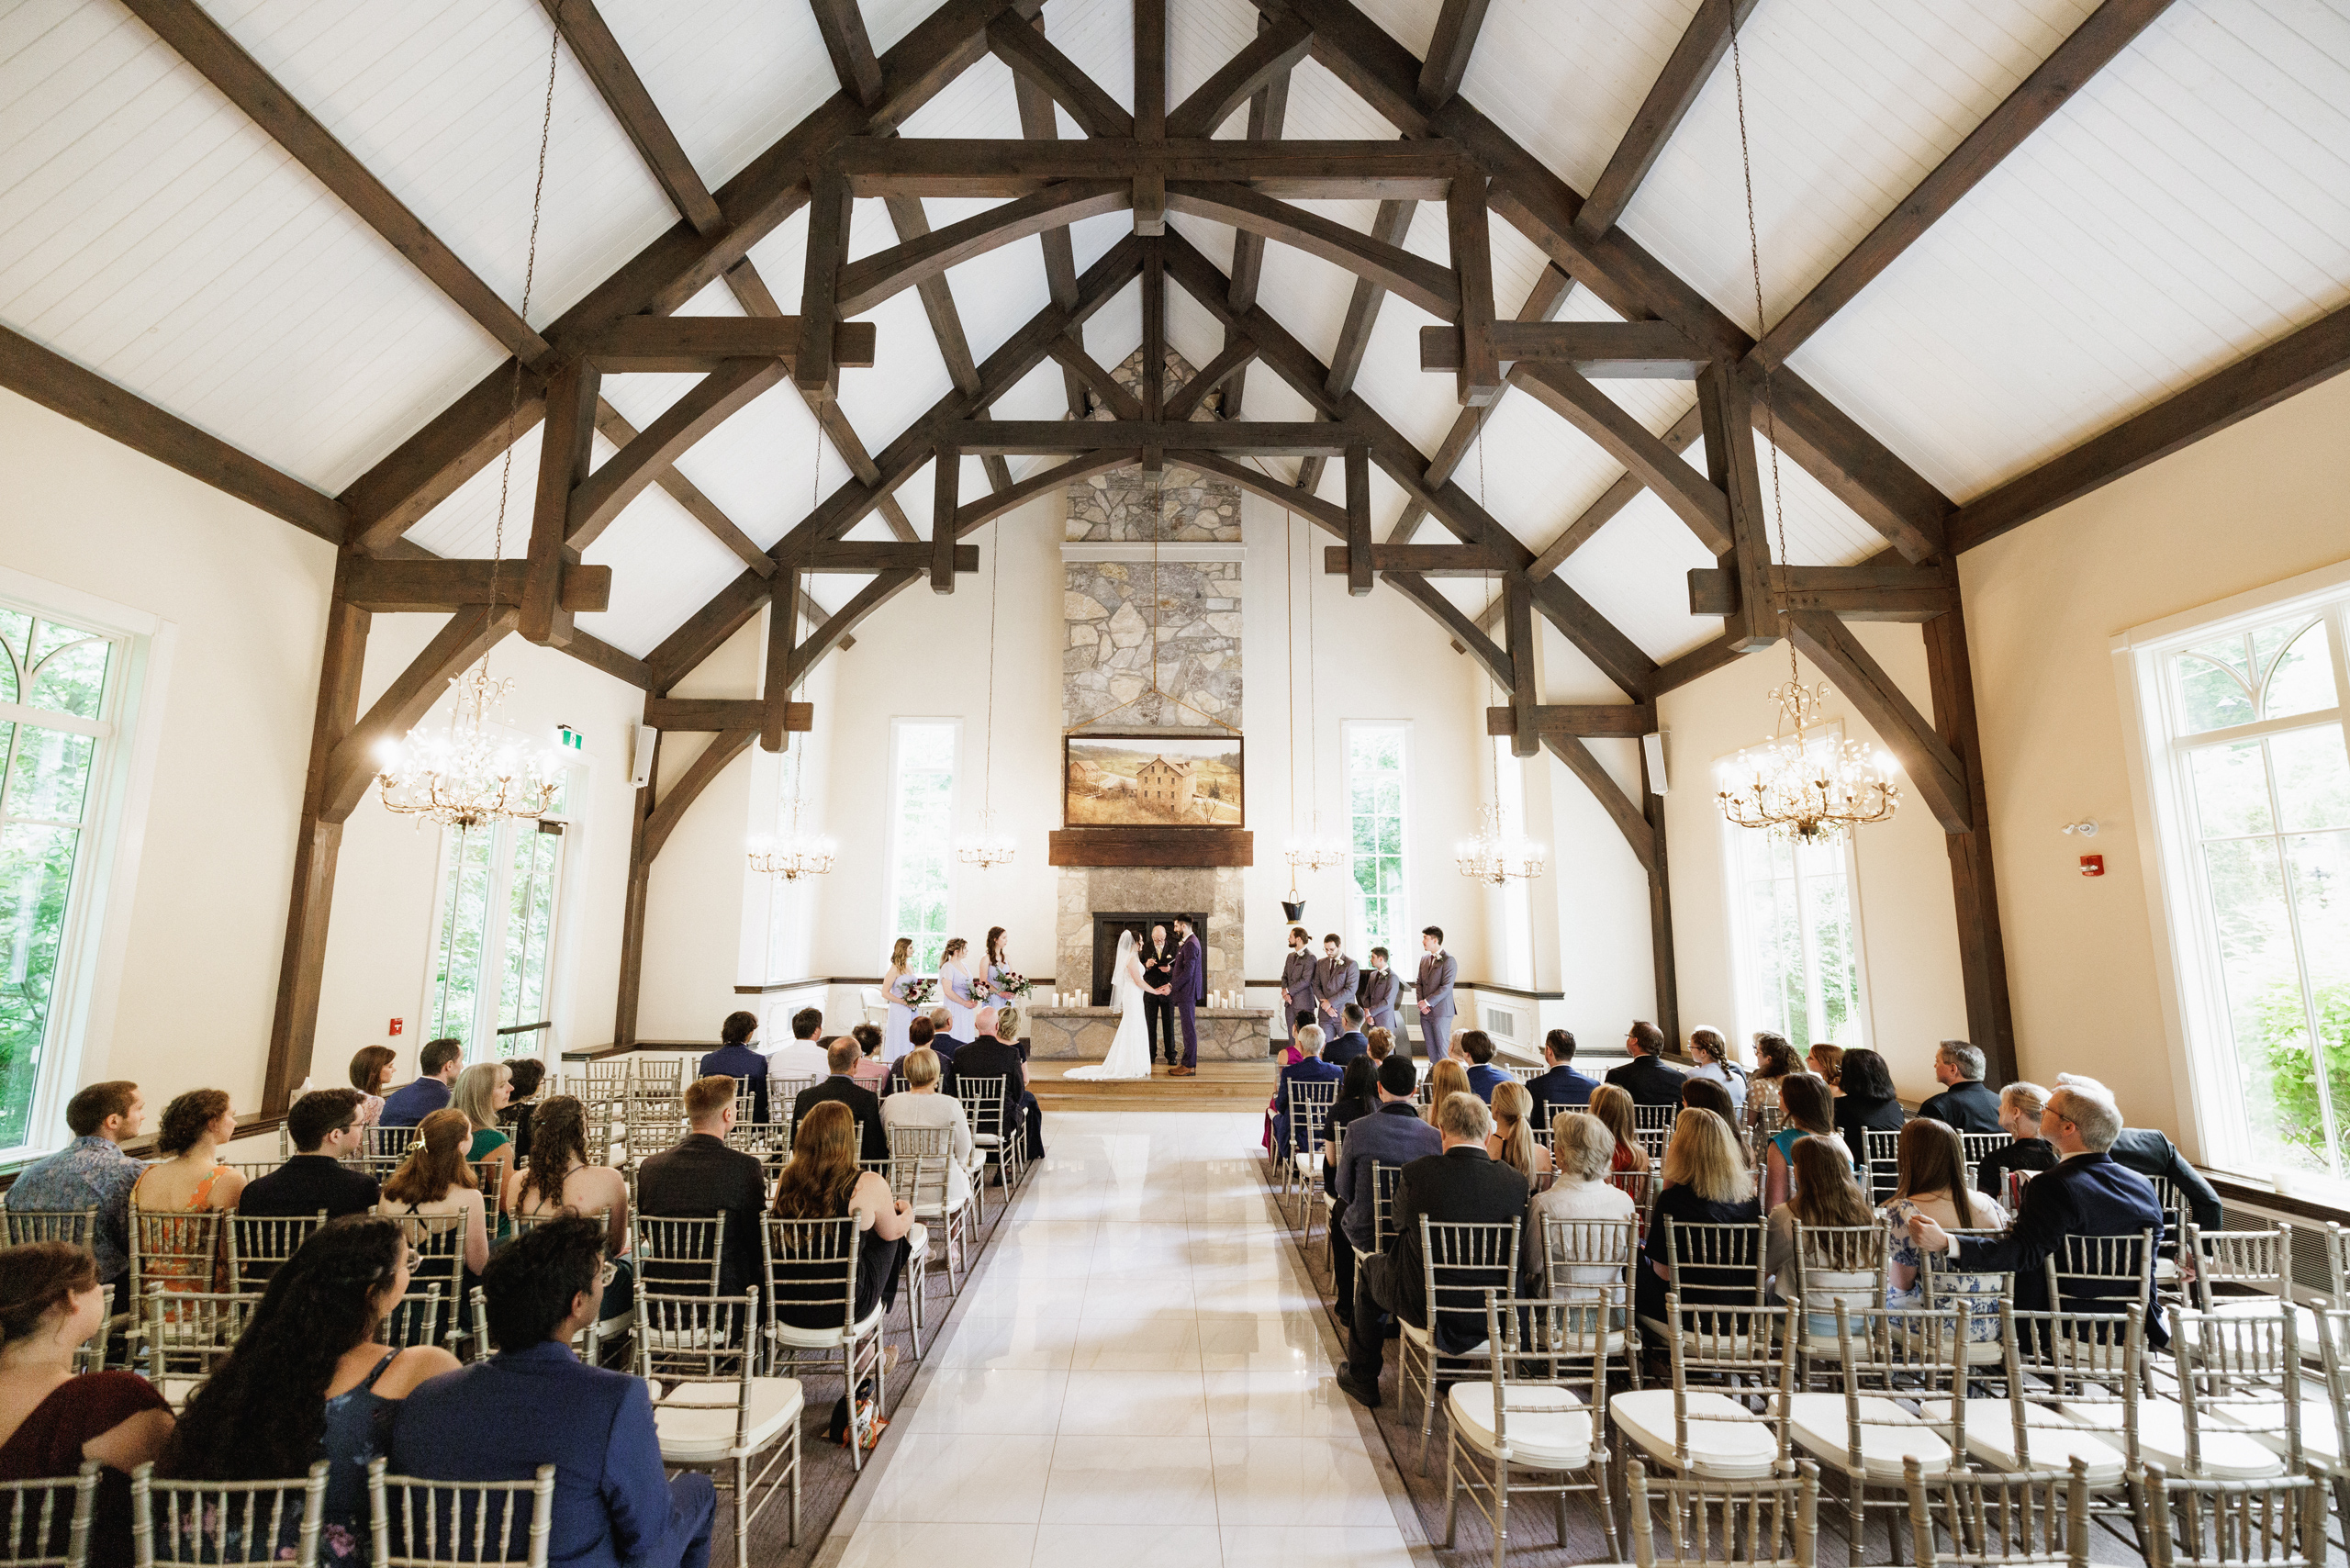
(1154, 779)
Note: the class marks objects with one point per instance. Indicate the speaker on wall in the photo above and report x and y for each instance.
(1652, 753)
(640, 760)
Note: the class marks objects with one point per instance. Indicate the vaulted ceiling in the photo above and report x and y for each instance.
(1990, 232)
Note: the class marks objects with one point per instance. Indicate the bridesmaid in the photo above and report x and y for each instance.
(999, 965)
(893, 1033)
(955, 993)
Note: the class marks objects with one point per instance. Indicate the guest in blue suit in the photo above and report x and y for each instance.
(1559, 1087)
(1484, 1076)
(735, 1058)
(534, 1403)
(1308, 1069)
(1351, 1044)
(436, 1070)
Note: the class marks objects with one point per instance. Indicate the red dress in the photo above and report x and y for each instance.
(50, 1444)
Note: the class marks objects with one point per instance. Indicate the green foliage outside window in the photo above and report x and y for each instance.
(2283, 1089)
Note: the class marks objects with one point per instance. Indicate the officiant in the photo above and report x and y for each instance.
(1158, 1009)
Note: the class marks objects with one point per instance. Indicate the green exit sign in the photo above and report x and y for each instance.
(569, 738)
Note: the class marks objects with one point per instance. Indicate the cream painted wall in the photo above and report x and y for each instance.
(246, 596)
(2261, 501)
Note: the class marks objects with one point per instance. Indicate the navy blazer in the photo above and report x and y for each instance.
(741, 1061)
(2150, 1152)
(1649, 1081)
(499, 1419)
(1345, 1049)
(1311, 1070)
(411, 1102)
(2089, 1195)
(1970, 1105)
(1559, 1089)
(1484, 1079)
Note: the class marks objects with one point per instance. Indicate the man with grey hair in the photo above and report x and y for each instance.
(1965, 1102)
(1463, 1185)
(2019, 1107)
(1309, 1069)
(2150, 1152)
(2087, 1194)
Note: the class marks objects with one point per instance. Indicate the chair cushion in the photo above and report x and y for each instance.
(697, 1419)
(1820, 1427)
(1724, 1440)
(1549, 1427)
(2053, 1442)
(2161, 1439)
(801, 1339)
(1419, 1336)
(2321, 1441)
(1308, 1165)
(2305, 1328)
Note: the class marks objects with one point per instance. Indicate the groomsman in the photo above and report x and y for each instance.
(1378, 992)
(1297, 981)
(1435, 992)
(1334, 986)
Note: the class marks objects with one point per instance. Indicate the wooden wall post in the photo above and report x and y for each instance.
(1981, 950)
(1667, 973)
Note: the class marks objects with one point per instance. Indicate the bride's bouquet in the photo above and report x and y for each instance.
(918, 992)
(1009, 983)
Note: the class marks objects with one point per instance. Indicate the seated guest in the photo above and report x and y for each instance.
(2087, 1192)
(533, 1404)
(1711, 1053)
(921, 1036)
(1934, 1184)
(1824, 1193)
(307, 1381)
(1392, 1134)
(1378, 1043)
(2019, 1107)
(702, 1177)
(436, 1179)
(840, 1055)
(371, 1074)
(191, 1178)
(1583, 1152)
(1867, 1103)
(1358, 1096)
(1706, 1182)
(920, 1104)
(436, 1070)
(1449, 1075)
(527, 1074)
(2150, 1152)
(1706, 1094)
(1648, 1081)
(482, 1091)
(1825, 1062)
(995, 1053)
(50, 1304)
(1775, 1062)
(1512, 1141)
(1613, 1107)
(872, 1069)
(1463, 1185)
(326, 1129)
(941, 1022)
(823, 1181)
(1964, 1102)
(1805, 1111)
(1559, 1087)
(1484, 1076)
(1309, 1069)
(560, 1181)
(736, 1058)
(804, 1056)
(91, 1172)
(1351, 1042)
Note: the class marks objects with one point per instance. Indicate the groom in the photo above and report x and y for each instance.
(1188, 982)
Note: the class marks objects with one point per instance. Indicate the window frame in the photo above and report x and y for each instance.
(895, 838)
(499, 899)
(2190, 986)
(1360, 936)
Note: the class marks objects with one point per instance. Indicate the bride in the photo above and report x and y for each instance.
(1130, 1052)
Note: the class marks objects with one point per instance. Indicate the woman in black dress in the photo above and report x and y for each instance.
(1867, 1103)
(1706, 1182)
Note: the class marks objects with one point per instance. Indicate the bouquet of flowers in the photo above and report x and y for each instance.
(918, 992)
(1011, 982)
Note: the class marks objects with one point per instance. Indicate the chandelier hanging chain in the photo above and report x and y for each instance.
(1761, 324)
(529, 276)
(798, 856)
(1493, 855)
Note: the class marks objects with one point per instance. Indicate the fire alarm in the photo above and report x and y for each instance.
(2092, 865)
(397, 1024)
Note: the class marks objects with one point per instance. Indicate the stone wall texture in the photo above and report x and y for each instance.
(1110, 652)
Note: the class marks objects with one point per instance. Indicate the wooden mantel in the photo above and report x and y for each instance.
(1153, 846)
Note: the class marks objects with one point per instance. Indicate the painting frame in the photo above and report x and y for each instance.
(1107, 779)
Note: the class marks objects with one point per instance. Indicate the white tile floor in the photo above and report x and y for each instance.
(1139, 1378)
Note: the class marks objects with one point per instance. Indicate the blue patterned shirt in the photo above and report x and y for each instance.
(88, 1174)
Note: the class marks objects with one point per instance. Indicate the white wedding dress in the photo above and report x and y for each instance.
(1130, 1051)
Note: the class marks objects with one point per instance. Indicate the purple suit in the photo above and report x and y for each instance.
(1187, 986)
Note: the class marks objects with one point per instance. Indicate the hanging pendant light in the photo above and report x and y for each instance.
(468, 776)
(1308, 851)
(988, 849)
(1496, 855)
(800, 853)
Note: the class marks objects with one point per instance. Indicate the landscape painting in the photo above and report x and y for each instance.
(1151, 780)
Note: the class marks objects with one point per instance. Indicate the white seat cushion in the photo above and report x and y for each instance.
(2320, 1441)
(2053, 1441)
(1549, 1427)
(1308, 1165)
(1724, 1440)
(2161, 1439)
(822, 1338)
(697, 1419)
(1819, 1425)
(2305, 1329)
(1419, 1336)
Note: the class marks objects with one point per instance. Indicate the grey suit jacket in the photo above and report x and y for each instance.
(1334, 986)
(1379, 993)
(1435, 986)
(1297, 987)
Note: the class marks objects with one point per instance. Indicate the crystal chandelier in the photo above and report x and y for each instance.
(468, 777)
(1313, 851)
(988, 848)
(1807, 788)
(1495, 858)
(800, 853)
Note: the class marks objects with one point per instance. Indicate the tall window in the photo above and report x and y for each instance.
(922, 833)
(1517, 897)
(496, 936)
(57, 732)
(2253, 805)
(1798, 935)
(1375, 836)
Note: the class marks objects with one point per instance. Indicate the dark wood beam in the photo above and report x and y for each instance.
(949, 477)
(973, 515)
(1266, 437)
(1389, 225)
(1616, 721)
(1613, 654)
(606, 64)
(691, 343)
(1661, 960)
(829, 210)
(1694, 499)
(1730, 463)
(1279, 171)
(2108, 30)
(597, 654)
(1601, 350)
(862, 283)
(1517, 623)
(1982, 946)
(1449, 49)
(1479, 380)
(1277, 47)
(438, 584)
(58, 384)
(1358, 553)
(565, 449)
(783, 634)
(191, 32)
(1629, 820)
(1420, 560)
(1268, 111)
(670, 713)
(854, 557)
(1934, 771)
(1482, 648)
(1229, 362)
(2294, 363)
(1697, 663)
(1069, 351)
(1703, 44)
(1038, 123)
(842, 26)
(1037, 62)
(1150, 126)
(1878, 589)
(1433, 288)
(710, 403)
(1154, 360)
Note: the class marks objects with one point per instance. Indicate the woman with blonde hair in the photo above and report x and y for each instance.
(1447, 1076)
(1613, 1105)
(1512, 1140)
(1706, 1182)
(920, 1105)
(894, 978)
(436, 1179)
(483, 1091)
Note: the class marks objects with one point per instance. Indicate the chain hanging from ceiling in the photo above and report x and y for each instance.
(988, 849)
(800, 853)
(1496, 855)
